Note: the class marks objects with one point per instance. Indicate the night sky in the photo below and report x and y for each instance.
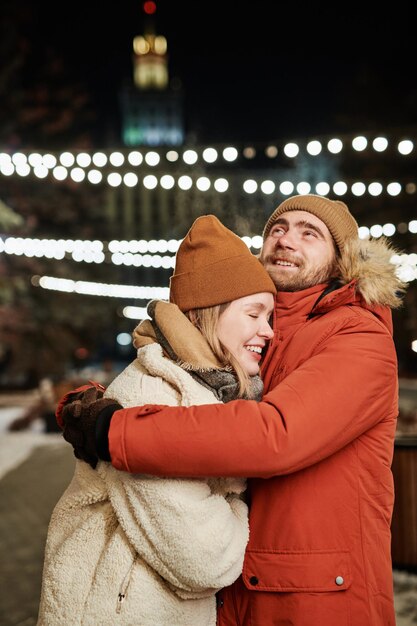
(255, 72)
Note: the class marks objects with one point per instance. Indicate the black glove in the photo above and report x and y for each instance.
(77, 414)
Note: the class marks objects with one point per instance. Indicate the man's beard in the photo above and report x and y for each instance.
(302, 278)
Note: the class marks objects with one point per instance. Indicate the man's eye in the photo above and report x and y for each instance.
(311, 232)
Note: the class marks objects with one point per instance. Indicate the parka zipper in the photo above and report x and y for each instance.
(121, 596)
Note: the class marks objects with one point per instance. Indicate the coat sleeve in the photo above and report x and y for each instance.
(331, 398)
(193, 538)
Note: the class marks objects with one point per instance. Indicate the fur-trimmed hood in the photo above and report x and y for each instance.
(368, 263)
(365, 277)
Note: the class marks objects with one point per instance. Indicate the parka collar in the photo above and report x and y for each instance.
(293, 306)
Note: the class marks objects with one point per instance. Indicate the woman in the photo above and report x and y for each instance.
(148, 551)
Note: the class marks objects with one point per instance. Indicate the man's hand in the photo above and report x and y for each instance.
(77, 413)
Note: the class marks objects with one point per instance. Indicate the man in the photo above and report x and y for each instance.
(317, 449)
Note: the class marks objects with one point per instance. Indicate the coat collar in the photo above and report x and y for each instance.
(185, 345)
(295, 307)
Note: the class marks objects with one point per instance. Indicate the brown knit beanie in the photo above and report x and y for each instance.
(334, 213)
(214, 266)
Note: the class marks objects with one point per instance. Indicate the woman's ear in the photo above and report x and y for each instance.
(193, 317)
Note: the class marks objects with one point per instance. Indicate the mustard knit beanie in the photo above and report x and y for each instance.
(214, 266)
(334, 213)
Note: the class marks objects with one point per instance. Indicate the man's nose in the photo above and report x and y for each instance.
(287, 240)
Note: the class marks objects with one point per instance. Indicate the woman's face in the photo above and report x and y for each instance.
(244, 329)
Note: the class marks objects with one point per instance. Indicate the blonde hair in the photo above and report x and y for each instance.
(206, 320)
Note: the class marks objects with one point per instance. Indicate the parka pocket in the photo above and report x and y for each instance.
(314, 572)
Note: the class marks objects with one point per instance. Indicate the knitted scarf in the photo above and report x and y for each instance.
(184, 344)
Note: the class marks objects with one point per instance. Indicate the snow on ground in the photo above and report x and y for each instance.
(16, 447)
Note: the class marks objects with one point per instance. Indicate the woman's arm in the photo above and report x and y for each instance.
(193, 538)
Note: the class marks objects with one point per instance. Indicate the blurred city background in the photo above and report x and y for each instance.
(121, 124)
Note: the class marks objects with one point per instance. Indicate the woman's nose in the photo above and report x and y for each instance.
(266, 331)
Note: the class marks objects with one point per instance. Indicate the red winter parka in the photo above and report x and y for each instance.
(318, 449)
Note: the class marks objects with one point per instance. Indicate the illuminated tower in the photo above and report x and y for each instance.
(151, 108)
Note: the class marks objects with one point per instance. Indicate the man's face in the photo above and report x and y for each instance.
(299, 251)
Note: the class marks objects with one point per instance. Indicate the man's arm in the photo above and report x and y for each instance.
(320, 407)
(348, 386)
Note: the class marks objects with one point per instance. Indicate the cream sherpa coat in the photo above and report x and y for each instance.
(138, 550)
